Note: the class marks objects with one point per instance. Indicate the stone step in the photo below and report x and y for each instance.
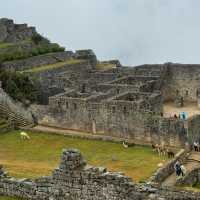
(15, 118)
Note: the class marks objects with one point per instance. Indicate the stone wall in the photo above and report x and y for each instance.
(86, 54)
(183, 80)
(107, 114)
(190, 179)
(11, 32)
(174, 195)
(75, 180)
(14, 111)
(194, 129)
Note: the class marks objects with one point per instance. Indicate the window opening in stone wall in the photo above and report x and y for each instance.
(75, 106)
(125, 109)
(186, 93)
(59, 104)
(177, 92)
(67, 105)
(113, 109)
(83, 89)
(197, 93)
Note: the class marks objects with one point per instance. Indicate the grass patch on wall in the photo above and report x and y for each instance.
(26, 49)
(43, 68)
(5, 45)
(8, 198)
(104, 66)
(40, 155)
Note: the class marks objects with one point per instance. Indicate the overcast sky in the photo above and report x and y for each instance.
(134, 31)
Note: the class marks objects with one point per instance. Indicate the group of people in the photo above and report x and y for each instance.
(182, 116)
(179, 169)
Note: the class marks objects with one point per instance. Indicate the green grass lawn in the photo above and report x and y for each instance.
(8, 198)
(53, 66)
(5, 45)
(40, 155)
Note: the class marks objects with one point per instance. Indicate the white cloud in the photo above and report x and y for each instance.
(135, 31)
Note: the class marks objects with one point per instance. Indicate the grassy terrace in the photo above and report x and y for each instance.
(53, 66)
(103, 66)
(40, 155)
(4, 45)
(8, 198)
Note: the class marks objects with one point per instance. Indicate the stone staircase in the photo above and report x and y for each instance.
(16, 114)
(4, 125)
(14, 118)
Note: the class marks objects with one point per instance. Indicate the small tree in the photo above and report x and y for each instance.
(37, 39)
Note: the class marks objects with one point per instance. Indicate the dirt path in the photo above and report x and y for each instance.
(80, 134)
(192, 163)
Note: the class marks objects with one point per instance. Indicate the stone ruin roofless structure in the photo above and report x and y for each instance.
(125, 102)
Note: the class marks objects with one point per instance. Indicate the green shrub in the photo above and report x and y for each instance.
(37, 39)
(19, 86)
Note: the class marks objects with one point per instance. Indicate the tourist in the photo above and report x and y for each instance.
(175, 116)
(184, 117)
(183, 170)
(196, 144)
(177, 168)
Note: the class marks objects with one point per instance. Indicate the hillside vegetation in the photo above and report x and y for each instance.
(26, 49)
(19, 86)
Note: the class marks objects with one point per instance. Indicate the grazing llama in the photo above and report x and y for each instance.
(24, 136)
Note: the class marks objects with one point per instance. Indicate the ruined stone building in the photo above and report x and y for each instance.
(125, 102)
